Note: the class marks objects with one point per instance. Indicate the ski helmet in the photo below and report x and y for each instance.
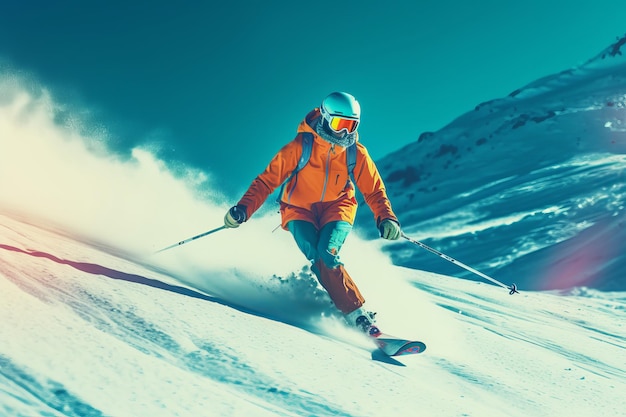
(340, 112)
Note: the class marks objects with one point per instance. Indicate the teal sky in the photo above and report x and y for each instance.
(222, 86)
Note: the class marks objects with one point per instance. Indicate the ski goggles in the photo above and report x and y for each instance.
(339, 123)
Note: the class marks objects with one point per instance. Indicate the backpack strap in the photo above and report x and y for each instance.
(351, 161)
(307, 146)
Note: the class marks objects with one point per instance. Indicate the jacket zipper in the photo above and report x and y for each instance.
(327, 175)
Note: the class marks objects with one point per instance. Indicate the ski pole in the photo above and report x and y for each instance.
(512, 288)
(182, 242)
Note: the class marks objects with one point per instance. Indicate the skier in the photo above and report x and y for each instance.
(318, 204)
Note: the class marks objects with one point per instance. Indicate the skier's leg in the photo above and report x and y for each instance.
(332, 236)
(322, 249)
(340, 286)
(331, 272)
(306, 235)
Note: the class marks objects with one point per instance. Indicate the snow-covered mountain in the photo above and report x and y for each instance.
(530, 188)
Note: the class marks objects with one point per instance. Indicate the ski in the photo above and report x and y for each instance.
(395, 346)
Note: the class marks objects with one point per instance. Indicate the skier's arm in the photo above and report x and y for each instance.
(371, 185)
(276, 172)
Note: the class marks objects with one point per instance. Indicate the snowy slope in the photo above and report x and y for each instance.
(87, 333)
(523, 183)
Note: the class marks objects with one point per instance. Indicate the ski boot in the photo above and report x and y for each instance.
(363, 320)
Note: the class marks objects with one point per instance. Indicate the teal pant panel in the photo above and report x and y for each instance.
(323, 244)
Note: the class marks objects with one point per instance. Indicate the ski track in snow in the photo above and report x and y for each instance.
(86, 333)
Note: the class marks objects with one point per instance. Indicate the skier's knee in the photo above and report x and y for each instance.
(330, 258)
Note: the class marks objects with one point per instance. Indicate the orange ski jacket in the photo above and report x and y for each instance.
(323, 187)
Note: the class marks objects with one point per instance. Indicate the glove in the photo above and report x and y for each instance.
(235, 216)
(389, 229)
